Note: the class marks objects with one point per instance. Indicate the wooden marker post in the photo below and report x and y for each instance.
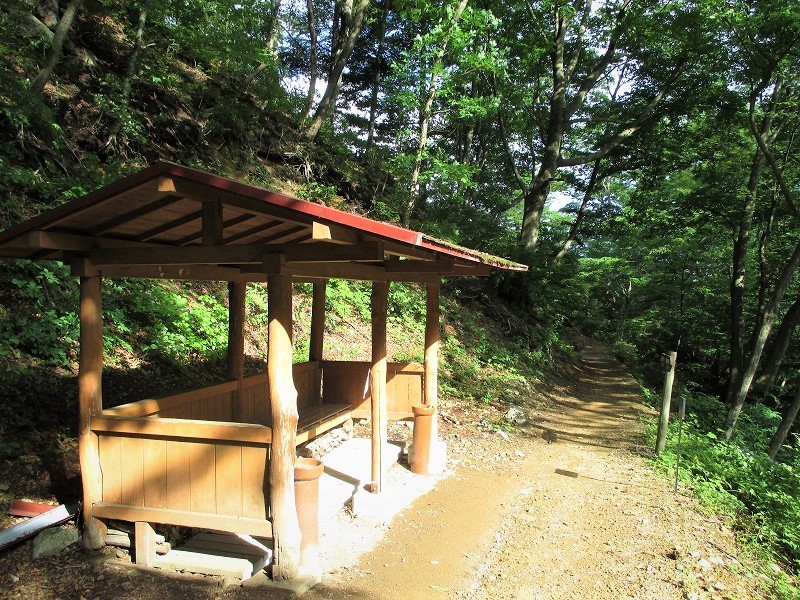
(283, 400)
(668, 361)
(90, 403)
(237, 291)
(380, 424)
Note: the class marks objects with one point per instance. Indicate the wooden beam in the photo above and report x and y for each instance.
(84, 267)
(237, 292)
(321, 252)
(212, 223)
(339, 235)
(317, 321)
(77, 243)
(441, 265)
(380, 425)
(90, 403)
(182, 429)
(184, 518)
(359, 272)
(283, 401)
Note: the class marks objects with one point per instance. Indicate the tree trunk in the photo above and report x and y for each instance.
(737, 286)
(131, 73)
(376, 80)
(57, 47)
(776, 350)
(576, 224)
(427, 96)
(312, 75)
(272, 42)
(765, 323)
(537, 193)
(785, 427)
(327, 104)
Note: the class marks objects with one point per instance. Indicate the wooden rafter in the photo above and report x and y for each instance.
(155, 231)
(193, 237)
(132, 215)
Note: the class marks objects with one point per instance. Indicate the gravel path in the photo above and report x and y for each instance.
(569, 509)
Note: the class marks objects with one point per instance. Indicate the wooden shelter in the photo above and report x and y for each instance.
(222, 457)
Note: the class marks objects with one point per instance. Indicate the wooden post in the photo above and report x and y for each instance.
(317, 321)
(90, 402)
(144, 539)
(380, 423)
(431, 343)
(283, 400)
(237, 291)
(668, 361)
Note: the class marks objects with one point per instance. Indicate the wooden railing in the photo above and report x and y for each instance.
(181, 460)
(347, 382)
(184, 472)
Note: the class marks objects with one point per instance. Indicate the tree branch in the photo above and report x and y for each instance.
(501, 124)
(600, 66)
(628, 131)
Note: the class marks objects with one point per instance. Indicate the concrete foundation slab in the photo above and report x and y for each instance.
(224, 554)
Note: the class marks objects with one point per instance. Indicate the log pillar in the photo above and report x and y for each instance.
(378, 409)
(432, 343)
(425, 439)
(317, 321)
(237, 291)
(283, 401)
(90, 403)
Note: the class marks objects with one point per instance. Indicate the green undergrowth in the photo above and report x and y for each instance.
(736, 478)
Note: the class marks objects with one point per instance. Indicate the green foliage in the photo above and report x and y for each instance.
(737, 477)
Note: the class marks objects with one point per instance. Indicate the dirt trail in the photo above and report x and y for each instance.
(569, 510)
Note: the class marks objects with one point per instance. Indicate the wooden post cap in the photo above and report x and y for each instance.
(307, 469)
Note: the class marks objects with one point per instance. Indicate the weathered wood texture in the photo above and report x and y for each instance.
(377, 382)
(220, 402)
(237, 292)
(347, 382)
(283, 401)
(432, 343)
(90, 403)
(185, 469)
(317, 336)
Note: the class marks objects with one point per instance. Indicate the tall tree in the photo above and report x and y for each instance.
(349, 17)
(56, 46)
(568, 120)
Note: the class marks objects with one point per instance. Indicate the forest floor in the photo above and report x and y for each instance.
(563, 507)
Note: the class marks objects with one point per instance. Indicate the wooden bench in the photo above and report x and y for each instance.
(317, 419)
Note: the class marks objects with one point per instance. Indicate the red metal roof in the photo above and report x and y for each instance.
(304, 211)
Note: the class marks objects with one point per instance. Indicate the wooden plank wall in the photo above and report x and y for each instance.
(255, 407)
(212, 403)
(308, 381)
(345, 382)
(200, 476)
(215, 403)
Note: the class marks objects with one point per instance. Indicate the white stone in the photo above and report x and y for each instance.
(516, 415)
